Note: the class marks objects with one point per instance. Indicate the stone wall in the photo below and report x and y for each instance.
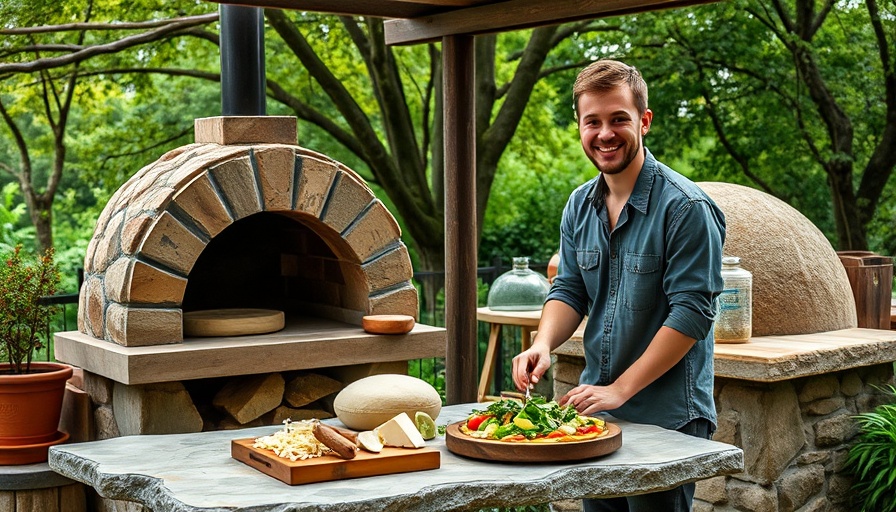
(796, 436)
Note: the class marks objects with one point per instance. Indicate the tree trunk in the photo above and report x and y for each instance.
(492, 140)
(41, 214)
(850, 230)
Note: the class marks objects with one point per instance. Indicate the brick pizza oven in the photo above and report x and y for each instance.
(242, 218)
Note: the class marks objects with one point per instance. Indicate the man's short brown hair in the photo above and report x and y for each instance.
(604, 75)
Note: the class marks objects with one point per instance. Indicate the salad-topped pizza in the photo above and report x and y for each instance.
(537, 420)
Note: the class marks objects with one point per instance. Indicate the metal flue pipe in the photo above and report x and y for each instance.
(242, 61)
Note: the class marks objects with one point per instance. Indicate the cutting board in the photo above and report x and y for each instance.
(329, 467)
(232, 322)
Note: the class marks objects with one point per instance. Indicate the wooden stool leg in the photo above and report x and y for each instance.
(526, 342)
(488, 365)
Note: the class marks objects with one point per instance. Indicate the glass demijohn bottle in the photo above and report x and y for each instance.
(734, 323)
(520, 289)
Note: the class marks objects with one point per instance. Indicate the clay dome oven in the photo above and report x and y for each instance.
(263, 225)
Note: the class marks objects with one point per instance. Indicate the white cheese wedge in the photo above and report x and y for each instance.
(370, 441)
(401, 432)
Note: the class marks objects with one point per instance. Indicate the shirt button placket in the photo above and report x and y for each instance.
(611, 308)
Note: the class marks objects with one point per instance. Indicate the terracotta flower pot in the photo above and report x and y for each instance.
(553, 266)
(30, 406)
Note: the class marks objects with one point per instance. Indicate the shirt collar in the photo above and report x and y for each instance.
(641, 193)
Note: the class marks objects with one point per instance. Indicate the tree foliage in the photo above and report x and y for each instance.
(796, 97)
(46, 68)
(380, 105)
(793, 97)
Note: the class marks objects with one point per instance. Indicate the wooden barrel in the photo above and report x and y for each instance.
(871, 278)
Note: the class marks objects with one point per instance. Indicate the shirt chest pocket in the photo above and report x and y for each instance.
(587, 259)
(642, 281)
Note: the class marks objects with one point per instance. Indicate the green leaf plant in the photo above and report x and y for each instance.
(872, 459)
(22, 316)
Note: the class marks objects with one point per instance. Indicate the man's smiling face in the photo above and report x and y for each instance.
(611, 129)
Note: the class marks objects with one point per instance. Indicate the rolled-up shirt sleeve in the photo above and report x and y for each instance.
(569, 285)
(694, 255)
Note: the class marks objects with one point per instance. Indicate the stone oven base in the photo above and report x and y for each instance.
(220, 403)
(233, 382)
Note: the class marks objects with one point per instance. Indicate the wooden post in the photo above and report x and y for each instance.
(461, 362)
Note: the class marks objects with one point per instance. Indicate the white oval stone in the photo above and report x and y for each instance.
(369, 402)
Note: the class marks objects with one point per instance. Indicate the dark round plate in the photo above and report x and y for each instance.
(503, 451)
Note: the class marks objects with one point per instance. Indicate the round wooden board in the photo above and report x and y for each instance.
(232, 322)
(503, 451)
(387, 324)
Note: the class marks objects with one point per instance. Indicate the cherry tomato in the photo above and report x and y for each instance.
(587, 430)
(475, 420)
(556, 433)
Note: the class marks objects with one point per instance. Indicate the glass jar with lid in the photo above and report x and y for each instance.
(520, 289)
(734, 322)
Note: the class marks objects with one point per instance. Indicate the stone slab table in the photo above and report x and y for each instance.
(194, 472)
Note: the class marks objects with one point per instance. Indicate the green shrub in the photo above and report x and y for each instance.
(872, 459)
(22, 317)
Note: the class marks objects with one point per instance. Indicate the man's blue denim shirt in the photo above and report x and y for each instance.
(660, 266)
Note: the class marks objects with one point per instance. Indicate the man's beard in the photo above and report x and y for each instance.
(613, 168)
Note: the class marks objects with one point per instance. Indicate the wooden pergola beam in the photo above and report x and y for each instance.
(374, 8)
(461, 356)
(515, 15)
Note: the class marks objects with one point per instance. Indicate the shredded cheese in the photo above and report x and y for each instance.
(295, 442)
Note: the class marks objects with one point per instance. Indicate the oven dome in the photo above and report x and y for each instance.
(312, 230)
(799, 283)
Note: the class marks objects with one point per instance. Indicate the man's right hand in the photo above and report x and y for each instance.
(558, 323)
(529, 366)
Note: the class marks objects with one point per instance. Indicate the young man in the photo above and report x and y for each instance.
(641, 256)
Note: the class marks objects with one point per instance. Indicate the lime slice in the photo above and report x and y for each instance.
(425, 425)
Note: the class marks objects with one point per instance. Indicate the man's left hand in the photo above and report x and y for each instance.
(593, 399)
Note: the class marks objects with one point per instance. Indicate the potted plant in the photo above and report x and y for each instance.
(30, 392)
(871, 458)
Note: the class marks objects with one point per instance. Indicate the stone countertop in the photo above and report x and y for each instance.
(194, 472)
(779, 358)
